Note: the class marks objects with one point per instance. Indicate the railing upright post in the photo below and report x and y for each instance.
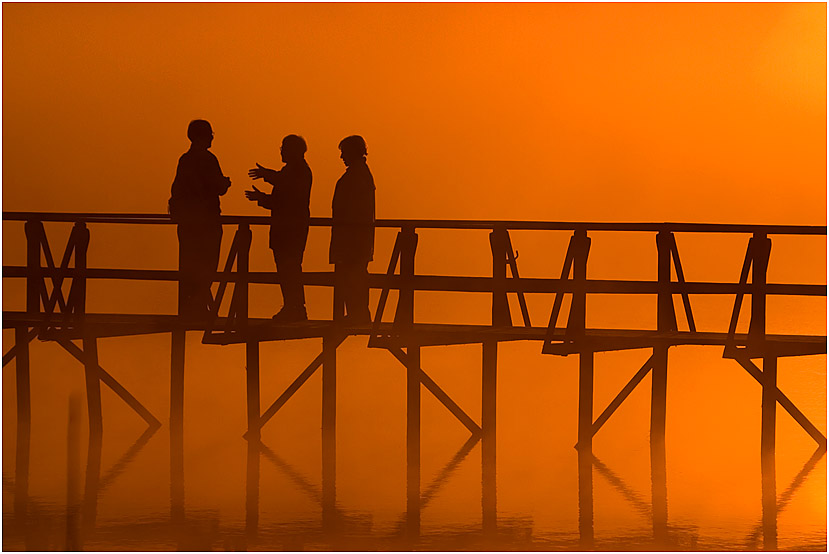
(34, 279)
(500, 305)
(77, 292)
(404, 315)
(576, 323)
(665, 313)
(243, 277)
(761, 250)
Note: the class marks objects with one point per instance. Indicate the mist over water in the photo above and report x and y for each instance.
(713, 461)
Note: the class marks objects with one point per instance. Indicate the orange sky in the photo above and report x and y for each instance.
(558, 112)
(628, 112)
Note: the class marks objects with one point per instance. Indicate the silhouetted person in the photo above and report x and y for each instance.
(194, 205)
(290, 217)
(352, 230)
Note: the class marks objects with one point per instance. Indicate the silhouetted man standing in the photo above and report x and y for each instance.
(194, 205)
(290, 217)
(352, 230)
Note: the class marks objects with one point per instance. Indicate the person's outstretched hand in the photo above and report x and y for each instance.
(255, 195)
(260, 172)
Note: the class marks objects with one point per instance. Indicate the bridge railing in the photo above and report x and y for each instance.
(55, 310)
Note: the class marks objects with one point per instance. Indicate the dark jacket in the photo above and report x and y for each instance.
(196, 188)
(352, 212)
(289, 203)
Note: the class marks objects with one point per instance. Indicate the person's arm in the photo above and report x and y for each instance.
(262, 198)
(214, 180)
(268, 175)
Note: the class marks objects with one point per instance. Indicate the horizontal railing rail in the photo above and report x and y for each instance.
(164, 219)
(438, 283)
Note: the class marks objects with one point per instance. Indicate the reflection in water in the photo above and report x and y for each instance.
(80, 522)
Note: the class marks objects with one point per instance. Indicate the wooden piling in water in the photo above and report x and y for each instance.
(93, 384)
(329, 433)
(413, 384)
(177, 354)
(253, 396)
(489, 381)
(24, 423)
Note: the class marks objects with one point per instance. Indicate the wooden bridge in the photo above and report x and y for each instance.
(52, 315)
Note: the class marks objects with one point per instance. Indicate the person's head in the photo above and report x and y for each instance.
(200, 133)
(293, 148)
(353, 149)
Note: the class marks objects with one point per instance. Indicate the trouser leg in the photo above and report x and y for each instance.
(199, 247)
(290, 271)
(353, 280)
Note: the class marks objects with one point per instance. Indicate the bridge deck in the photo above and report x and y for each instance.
(425, 334)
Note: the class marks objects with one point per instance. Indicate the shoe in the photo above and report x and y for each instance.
(288, 315)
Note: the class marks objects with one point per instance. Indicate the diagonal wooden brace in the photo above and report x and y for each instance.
(116, 387)
(10, 355)
(623, 394)
(293, 387)
(438, 393)
(783, 400)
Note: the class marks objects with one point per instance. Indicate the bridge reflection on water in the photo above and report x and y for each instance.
(52, 316)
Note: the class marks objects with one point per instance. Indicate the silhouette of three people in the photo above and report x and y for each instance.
(194, 206)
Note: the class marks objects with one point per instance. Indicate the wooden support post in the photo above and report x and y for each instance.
(178, 337)
(73, 477)
(665, 323)
(586, 401)
(500, 305)
(404, 315)
(769, 500)
(93, 384)
(252, 373)
(252, 491)
(659, 487)
(585, 449)
(89, 509)
(24, 423)
(329, 433)
(413, 383)
(769, 405)
(489, 380)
